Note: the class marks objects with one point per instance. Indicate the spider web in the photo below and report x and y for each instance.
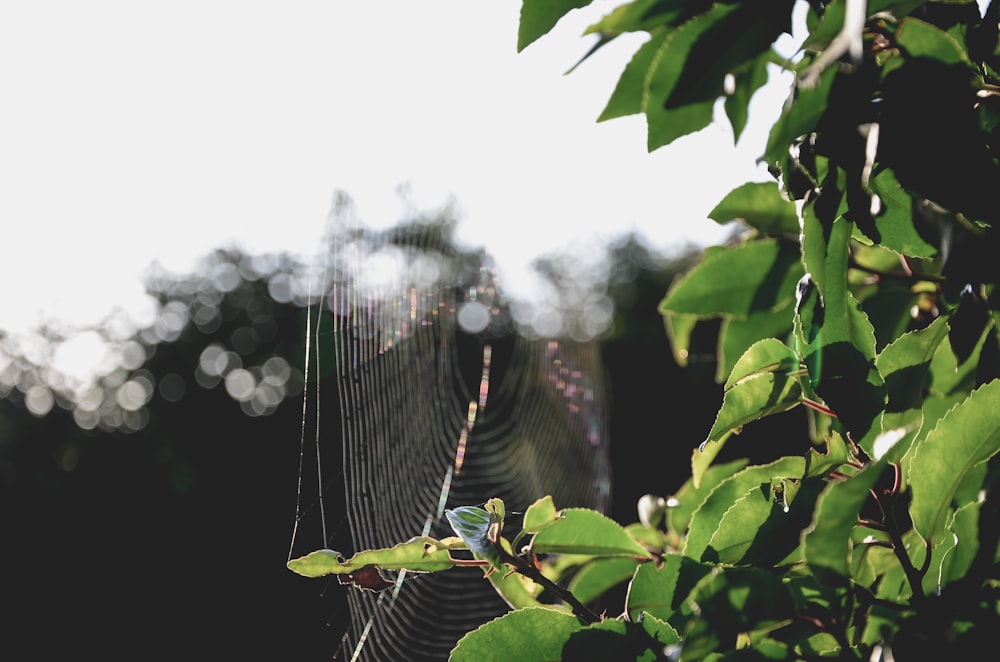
(441, 403)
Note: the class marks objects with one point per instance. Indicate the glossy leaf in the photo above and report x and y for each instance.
(763, 527)
(967, 435)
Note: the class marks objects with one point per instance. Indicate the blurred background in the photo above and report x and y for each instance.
(168, 173)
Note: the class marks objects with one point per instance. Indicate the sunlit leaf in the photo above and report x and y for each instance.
(826, 544)
(753, 276)
(762, 527)
(706, 518)
(764, 381)
(661, 591)
(693, 492)
(584, 531)
(539, 515)
(967, 435)
(536, 634)
(416, 555)
(737, 335)
(904, 365)
(597, 577)
(761, 206)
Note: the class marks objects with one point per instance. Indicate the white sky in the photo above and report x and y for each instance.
(133, 131)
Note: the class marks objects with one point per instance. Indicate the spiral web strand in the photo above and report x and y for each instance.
(441, 404)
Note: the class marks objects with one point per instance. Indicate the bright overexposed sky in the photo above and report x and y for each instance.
(140, 131)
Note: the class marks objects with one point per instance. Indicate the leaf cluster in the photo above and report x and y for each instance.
(863, 289)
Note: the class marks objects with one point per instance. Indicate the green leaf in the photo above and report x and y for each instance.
(540, 514)
(584, 531)
(416, 555)
(826, 544)
(706, 519)
(737, 335)
(749, 277)
(667, 123)
(661, 591)
(894, 226)
(693, 492)
(747, 80)
(639, 15)
(764, 381)
(475, 526)
(679, 329)
(762, 527)
(615, 638)
(833, 334)
(734, 601)
(628, 97)
(836, 455)
(967, 435)
(516, 590)
(800, 118)
(536, 634)
(904, 364)
(540, 16)
(599, 576)
(920, 39)
(732, 39)
(761, 206)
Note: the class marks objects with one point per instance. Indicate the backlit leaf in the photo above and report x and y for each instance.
(967, 435)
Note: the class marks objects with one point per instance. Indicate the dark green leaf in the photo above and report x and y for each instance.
(540, 16)
(799, 119)
(747, 79)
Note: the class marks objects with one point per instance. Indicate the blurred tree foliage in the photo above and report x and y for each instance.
(147, 513)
